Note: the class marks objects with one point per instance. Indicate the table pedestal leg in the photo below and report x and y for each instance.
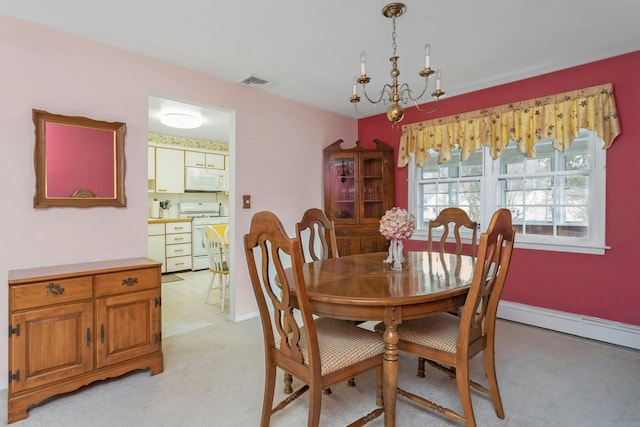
(390, 374)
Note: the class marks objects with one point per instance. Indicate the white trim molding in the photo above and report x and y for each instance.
(583, 326)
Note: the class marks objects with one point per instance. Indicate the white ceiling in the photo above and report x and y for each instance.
(310, 51)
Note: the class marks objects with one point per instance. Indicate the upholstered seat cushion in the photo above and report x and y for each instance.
(439, 332)
(342, 344)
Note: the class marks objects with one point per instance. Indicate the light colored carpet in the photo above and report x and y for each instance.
(213, 377)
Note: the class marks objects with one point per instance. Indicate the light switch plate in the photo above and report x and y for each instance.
(246, 201)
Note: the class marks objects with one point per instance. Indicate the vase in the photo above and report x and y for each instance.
(395, 257)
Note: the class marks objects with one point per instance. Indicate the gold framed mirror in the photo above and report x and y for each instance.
(79, 162)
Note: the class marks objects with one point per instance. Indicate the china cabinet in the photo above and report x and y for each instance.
(71, 325)
(358, 190)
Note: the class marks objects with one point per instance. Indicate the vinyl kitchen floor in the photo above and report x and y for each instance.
(183, 304)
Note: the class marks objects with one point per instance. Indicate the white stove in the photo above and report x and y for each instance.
(201, 214)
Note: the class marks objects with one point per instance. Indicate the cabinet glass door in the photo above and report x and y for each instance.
(372, 186)
(345, 191)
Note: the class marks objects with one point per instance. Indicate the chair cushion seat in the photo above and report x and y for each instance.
(439, 332)
(342, 344)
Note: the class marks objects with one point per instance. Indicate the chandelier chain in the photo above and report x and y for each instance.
(393, 37)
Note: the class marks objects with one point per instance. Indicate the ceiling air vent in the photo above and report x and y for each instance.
(254, 82)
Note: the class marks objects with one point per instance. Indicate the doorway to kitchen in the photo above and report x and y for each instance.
(208, 134)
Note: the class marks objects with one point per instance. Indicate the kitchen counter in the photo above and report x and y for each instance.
(165, 220)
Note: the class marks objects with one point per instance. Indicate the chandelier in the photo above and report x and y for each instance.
(395, 94)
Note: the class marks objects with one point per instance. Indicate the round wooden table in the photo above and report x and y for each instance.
(362, 287)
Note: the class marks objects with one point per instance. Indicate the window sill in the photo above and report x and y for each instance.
(519, 244)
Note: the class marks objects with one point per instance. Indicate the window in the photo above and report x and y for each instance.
(557, 199)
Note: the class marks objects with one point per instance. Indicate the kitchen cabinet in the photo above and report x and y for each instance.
(71, 325)
(358, 190)
(151, 163)
(169, 170)
(178, 245)
(156, 244)
(204, 160)
(169, 242)
(226, 168)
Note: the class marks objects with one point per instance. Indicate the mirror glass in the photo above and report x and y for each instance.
(79, 161)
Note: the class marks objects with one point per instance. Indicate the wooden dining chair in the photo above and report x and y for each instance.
(449, 218)
(318, 351)
(317, 234)
(457, 218)
(448, 342)
(218, 252)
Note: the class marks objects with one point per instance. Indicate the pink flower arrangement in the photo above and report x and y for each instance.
(397, 224)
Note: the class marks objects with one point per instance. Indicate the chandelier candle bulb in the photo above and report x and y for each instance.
(363, 58)
(427, 56)
(355, 85)
(438, 75)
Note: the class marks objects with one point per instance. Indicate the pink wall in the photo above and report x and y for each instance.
(603, 286)
(276, 160)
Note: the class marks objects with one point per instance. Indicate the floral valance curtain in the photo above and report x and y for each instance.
(558, 116)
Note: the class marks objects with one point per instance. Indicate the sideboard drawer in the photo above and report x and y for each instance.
(51, 292)
(125, 281)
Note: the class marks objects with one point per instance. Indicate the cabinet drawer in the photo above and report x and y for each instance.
(178, 227)
(51, 292)
(178, 250)
(215, 161)
(155, 229)
(179, 263)
(127, 281)
(173, 239)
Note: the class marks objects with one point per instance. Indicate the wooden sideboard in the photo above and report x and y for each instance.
(70, 325)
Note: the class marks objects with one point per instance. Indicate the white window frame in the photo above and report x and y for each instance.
(593, 244)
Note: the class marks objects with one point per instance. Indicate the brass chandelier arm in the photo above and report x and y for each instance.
(406, 90)
(435, 107)
(386, 89)
(365, 113)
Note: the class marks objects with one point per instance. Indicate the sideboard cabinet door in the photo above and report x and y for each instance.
(127, 326)
(54, 343)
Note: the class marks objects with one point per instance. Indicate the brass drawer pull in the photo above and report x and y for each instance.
(130, 281)
(55, 289)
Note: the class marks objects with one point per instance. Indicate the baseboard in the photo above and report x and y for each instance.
(246, 317)
(583, 326)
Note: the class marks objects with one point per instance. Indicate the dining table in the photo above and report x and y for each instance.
(365, 288)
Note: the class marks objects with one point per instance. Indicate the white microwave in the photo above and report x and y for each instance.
(201, 179)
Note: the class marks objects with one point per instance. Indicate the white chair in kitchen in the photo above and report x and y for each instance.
(218, 251)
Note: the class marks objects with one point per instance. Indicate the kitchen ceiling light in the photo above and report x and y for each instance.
(181, 121)
(395, 93)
